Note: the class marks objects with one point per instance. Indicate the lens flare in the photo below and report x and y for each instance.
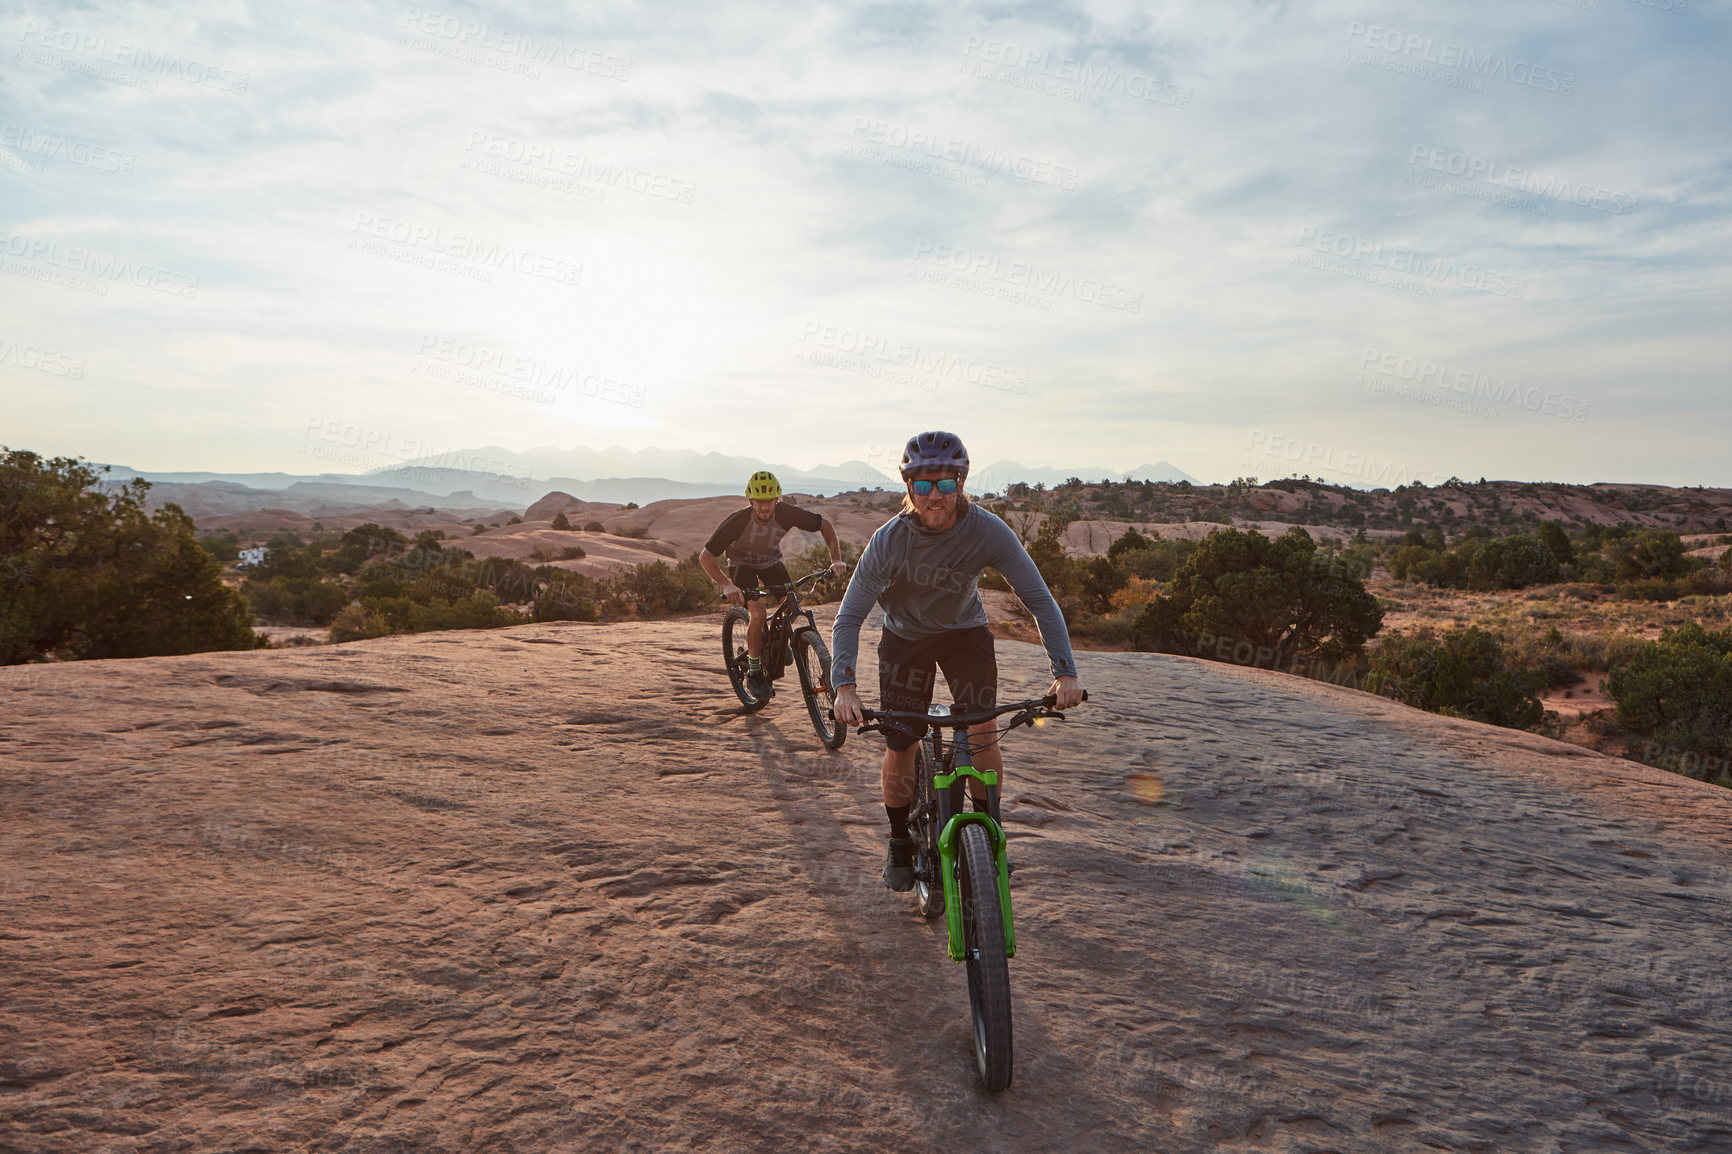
(1146, 787)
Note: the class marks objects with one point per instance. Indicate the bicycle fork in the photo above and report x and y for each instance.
(952, 818)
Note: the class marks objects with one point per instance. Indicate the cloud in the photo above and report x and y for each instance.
(1176, 225)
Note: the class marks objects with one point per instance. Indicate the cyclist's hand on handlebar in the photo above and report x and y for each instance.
(847, 707)
(732, 593)
(838, 568)
(1068, 691)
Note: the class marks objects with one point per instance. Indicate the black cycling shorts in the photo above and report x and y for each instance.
(768, 577)
(905, 673)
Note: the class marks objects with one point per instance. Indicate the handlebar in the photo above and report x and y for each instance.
(765, 590)
(884, 720)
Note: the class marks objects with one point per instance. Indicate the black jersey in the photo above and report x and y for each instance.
(754, 545)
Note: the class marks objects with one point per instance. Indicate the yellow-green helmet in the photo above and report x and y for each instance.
(763, 486)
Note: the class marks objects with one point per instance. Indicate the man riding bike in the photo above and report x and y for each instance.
(923, 566)
(752, 541)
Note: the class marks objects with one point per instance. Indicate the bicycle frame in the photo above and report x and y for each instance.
(777, 631)
(953, 765)
(949, 782)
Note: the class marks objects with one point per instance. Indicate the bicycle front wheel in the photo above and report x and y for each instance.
(812, 661)
(988, 968)
(734, 627)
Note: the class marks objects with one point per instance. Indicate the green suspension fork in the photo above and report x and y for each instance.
(947, 863)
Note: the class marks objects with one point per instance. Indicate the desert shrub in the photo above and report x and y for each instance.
(1098, 579)
(1462, 674)
(360, 545)
(1553, 651)
(1136, 593)
(295, 600)
(592, 527)
(356, 623)
(1677, 691)
(1553, 537)
(817, 556)
(1158, 560)
(656, 587)
(636, 532)
(566, 596)
(227, 550)
(1477, 561)
(545, 553)
(479, 610)
(1129, 541)
(87, 574)
(1513, 562)
(1059, 571)
(1266, 595)
(1646, 554)
(1108, 629)
(561, 522)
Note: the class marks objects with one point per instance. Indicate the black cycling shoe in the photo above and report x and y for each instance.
(758, 685)
(899, 865)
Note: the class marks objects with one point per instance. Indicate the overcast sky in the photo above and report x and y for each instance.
(1370, 242)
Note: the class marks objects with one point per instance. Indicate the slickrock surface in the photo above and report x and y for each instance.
(548, 888)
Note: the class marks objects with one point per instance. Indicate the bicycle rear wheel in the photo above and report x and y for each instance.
(923, 824)
(988, 968)
(812, 661)
(734, 627)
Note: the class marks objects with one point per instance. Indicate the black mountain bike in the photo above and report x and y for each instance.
(786, 641)
(960, 867)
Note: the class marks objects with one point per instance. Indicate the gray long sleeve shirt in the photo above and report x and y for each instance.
(927, 583)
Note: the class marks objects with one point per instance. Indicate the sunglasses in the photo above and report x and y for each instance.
(945, 485)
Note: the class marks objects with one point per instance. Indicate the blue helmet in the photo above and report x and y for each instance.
(935, 450)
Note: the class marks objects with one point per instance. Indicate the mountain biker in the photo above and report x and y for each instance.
(922, 566)
(751, 538)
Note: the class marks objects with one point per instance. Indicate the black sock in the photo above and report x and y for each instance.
(898, 819)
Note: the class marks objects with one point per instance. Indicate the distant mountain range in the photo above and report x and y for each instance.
(491, 477)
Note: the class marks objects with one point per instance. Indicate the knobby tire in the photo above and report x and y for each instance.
(812, 661)
(734, 625)
(988, 968)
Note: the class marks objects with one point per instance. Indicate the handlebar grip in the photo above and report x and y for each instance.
(1051, 699)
